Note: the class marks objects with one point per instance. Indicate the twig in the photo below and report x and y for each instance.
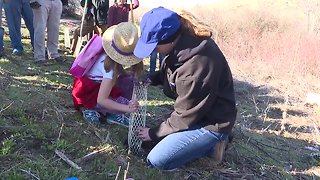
(255, 104)
(3, 109)
(67, 160)
(59, 116)
(126, 171)
(118, 173)
(99, 136)
(107, 139)
(44, 111)
(265, 129)
(60, 131)
(30, 174)
(91, 155)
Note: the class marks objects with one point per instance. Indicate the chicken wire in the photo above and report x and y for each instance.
(137, 118)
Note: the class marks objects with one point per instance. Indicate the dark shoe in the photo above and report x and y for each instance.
(41, 62)
(17, 52)
(59, 59)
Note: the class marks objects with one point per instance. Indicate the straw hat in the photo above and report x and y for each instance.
(119, 41)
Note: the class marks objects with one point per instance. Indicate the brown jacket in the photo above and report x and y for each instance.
(197, 75)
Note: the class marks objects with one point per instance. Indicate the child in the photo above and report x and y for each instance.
(100, 90)
(119, 12)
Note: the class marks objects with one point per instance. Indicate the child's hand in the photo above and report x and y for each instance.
(133, 105)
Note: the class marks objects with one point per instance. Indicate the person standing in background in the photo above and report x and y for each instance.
(14, 10)
(47, 15)
(153, 61)
(119, 12)
(1, 31)
(100, 13)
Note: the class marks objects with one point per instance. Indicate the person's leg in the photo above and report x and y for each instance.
(1, 30)
(27, 15)
(13, 15)
(180, 148)
(88, 27)
(40, 17)
(102, 29)
(161, 57)
(53, 29)
(153, 62)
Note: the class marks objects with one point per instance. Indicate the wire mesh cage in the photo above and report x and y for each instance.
(137, 118)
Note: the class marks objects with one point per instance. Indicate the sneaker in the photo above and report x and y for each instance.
(91, 116)
(120, 119)
(17, 52)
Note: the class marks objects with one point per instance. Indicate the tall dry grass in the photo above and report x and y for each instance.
(270, 42)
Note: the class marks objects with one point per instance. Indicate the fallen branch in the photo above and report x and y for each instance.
(30, 174)
(67, 160)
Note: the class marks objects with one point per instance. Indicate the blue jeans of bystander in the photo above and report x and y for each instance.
(14, 10)
(153, 61)
(1, 28)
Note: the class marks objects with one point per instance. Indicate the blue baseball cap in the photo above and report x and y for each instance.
(156, 25)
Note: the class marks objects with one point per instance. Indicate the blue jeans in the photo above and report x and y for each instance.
(180, 148)
(1, 28)
(14, 10)
(153, 61)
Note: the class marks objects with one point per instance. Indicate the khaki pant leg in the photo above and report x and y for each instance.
(53, 28)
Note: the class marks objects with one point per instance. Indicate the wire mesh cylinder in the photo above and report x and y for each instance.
(137, 118)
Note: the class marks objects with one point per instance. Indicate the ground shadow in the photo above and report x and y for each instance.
(259, 149)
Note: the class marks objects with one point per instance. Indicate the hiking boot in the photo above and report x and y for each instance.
(219, 150)
(120, 119)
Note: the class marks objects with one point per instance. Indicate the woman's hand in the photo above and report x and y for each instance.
(143, 133)
(133, 106)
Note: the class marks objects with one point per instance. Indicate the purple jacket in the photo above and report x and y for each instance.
(120, 13)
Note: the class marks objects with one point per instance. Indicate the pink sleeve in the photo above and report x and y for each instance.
(135, 4)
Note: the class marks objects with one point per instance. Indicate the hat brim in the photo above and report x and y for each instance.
(113, 54)
(143, 50)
